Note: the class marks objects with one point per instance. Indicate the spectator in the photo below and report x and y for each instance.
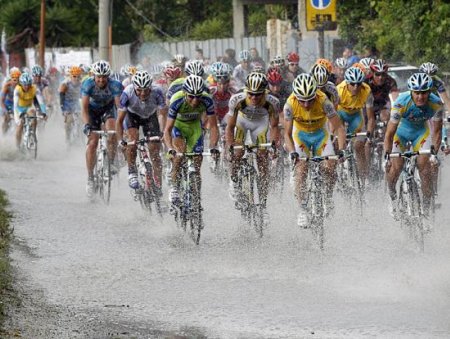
(255, 58)
(230, 57)
(349, 56)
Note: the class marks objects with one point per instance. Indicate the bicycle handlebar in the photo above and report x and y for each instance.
(319, 159)
(359, 134)
(253, 146)
(144, 140)
(110, 132)
(409, 154)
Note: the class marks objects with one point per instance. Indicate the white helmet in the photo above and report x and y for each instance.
(101, 68)
(341, 63)
(429, 68)
(304, 87)
(194, 67)
(256, 82)
(366, 62)
(320, 74)
(354, 75)
(420, 82)
(194, 85)
(142, 79)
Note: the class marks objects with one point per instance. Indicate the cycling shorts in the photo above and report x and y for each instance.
(319, 141)
(420, 138)
(192, 132)
(257, 129)
(71, 107)
(354, 122)
(96, 118)
(150, 125)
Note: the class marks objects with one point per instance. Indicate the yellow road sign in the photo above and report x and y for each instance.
(321, 14)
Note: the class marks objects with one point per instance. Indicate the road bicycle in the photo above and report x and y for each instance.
(350, 183)
(315, 195)
(150, 191)
(29, 144)
(410, 199)
(75, 134)
(376, 160)
(188, 212)
(102, 169)
(248, 187)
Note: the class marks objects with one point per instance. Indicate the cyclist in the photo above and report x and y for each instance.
(306, 113)
(409, 123)
(354, 96)
(128, 71)
(100, 95)
(42, 83)
(320, 73)
(26, 97)
(278, 87)
(293, 68)
(221, 91)
(140, 104)
(252, 111)
(340, 66)
(183, 132)
(438, 85)
(69, 95)
(367, 62)
(7, 99)
(241, 71)
(329, 66)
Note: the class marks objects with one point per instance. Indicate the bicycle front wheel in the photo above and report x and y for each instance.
(195, 220)
(104, 176)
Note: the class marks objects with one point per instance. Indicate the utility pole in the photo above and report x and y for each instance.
(103, 23)
(42, 36)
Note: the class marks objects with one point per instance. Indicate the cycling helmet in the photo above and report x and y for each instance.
(258, 68)
(244, 55)
(274, 77)
(420, 82)
(320, 74)
(86, 68)
(304, 87)
(214, 67)
(15, 72)
(75, 71)
(123, 70)
(25, 79)
(328, 65)
(341, 63)
(142, 79)
(37, 71)
(367, 62)
(130, 70)
(379, 66)
(172, 72)
(429, 68)
(256, 82)
(194, 85)
(360, 66)
(194, 67)
(293, 57)
(222, 73)
(354, 75)
(101, 68)
(278, 61)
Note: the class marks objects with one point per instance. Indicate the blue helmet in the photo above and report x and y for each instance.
(37, 71)
(354, 75)
(25, 79)
(420, 82)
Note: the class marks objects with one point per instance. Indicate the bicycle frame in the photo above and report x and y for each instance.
(102, 169)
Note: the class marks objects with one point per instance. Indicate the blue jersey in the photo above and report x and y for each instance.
(413, 117)
(101, 99)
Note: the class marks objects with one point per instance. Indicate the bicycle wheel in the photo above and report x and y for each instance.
(31, 144)
(104, 176)
(196, 222)
(414, 208)
(246, 198)
(316, 208)
(355, 185)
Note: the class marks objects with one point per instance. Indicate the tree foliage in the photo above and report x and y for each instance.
(413, 31)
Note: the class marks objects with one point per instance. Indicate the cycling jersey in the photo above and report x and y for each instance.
(188, 124)
(24, 100)
(310, 131)
(71, 102)
(413, 121)
(175, 86)
(438, 85)
(254, 119)
(221, 101)
(284, 93)
(353, 104)
(42, 84)
(101, 100)
(330, 90)
(380, 93)
(8, 97)
(129, 101)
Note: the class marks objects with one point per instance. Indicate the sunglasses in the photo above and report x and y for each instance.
(254, 94)
(306, 101)
(293, 64)
(192, 97)
(142, 90)
(379, 74)
(421, 92)
(356, 84)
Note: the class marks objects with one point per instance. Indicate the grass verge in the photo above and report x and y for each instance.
(5, 268)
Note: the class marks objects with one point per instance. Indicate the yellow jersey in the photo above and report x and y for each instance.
(353, 104)
(313, 118)
(26, 98)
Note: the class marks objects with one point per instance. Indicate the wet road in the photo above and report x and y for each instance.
(118, 262)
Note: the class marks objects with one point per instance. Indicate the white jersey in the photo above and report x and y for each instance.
(130, 102)
(239, 103)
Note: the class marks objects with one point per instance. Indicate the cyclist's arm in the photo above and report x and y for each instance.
(213, 130)
(16, 106)
(437, 127)
(338, 128)
(62, 95)
(288, 123)
(3, 97)
(168, 132)
(85, 109)
(445, 99)
(370, 114)
(40, 100)
(122, 112)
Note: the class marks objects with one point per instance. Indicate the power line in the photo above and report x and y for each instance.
(138, 12)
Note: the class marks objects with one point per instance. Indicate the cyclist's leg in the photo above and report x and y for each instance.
(68, 123)
(424, 142)
(109, 121)
(19, 127)
(179, 143)
(239, 139)
(355, 125)
(151, 129)
(396, 166)
(258, 133)
(325, 147)
(303, 143)
(91, 148)
(5, 122)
